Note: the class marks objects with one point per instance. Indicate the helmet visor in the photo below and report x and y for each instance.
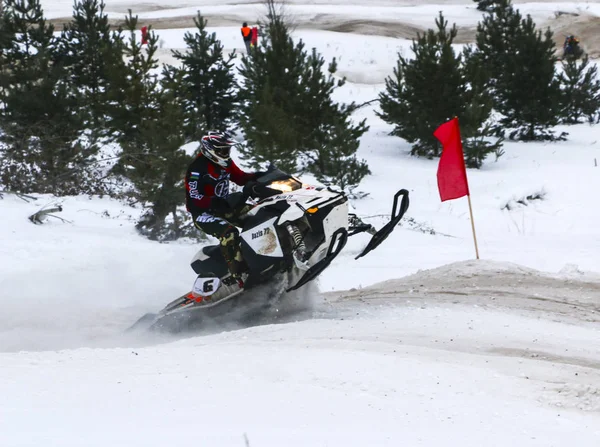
(222, 151)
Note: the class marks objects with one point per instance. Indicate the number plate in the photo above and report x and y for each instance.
(205, 286)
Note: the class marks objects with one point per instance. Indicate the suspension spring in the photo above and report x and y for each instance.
(296, 236)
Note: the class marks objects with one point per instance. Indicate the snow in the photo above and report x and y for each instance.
(410, 375)
(459, 11)
(440, 375)
(447, 351)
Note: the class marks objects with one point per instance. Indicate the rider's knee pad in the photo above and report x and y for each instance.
(230, 236)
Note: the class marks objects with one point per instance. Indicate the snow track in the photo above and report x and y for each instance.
(480, 285)
(572, 297)
(378, 366)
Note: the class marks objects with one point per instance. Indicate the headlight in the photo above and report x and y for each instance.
(282, 186)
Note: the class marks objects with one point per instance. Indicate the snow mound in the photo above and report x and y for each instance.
(490, 284)
(579, 396)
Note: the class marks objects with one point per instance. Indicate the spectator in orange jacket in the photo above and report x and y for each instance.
(247, 35)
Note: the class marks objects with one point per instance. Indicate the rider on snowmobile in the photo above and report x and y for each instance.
(207, 187)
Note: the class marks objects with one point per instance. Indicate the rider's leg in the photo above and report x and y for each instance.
(230, 246)
(229, 240)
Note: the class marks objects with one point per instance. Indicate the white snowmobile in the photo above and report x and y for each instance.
(290, 235)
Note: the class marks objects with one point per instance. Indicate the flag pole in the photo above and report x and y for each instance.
(473, 226)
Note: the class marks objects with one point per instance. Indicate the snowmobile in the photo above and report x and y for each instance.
(290, 235)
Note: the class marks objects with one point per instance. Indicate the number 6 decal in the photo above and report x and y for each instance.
(205, 286)
(208, 286)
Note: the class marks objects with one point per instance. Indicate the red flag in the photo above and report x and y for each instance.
(254, 40)
(144, 35)
(451, 173)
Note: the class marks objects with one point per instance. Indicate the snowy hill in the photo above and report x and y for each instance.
(429, 347)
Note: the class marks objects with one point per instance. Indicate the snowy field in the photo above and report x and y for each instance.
(446, 352)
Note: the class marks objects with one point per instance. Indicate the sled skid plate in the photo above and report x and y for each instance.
(398, 211)
(338, 241)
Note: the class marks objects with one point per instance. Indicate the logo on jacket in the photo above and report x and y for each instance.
(222, 188)
(194, 193)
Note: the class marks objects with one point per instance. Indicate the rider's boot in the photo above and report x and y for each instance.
(230, 247)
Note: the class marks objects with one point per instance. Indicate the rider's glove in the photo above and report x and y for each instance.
(250, 189)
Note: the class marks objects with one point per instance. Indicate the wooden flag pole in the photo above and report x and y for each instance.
(473, 226)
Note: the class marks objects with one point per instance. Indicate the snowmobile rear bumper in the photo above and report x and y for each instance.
(338, 241)
(398, 211)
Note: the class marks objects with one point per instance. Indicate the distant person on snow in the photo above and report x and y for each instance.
(571, 47)
(247, 35)
(207, 187)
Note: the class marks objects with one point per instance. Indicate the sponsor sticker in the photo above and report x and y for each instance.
(205, 218)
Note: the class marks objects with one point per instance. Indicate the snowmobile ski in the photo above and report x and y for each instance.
(398, 211)
(338, 241)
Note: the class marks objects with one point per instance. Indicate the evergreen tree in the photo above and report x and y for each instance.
(149, 125)
(334, 162)
(520, 61)
(207, 82)
(476, 125)
(40, 150)
(7, 51)
(433, 87)
(133, 87)
(580, 91)
(288, 115)
(159, 175)
(89, 51)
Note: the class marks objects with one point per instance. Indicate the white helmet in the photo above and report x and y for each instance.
(216, 146)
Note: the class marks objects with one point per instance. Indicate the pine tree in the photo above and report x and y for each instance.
(133, 87)
(207, 82)
(134, 93)
(39, 146)
(520, 61)
(7, 52)
(433, 87)
(159, 175)
(580, 91)
(476, 125)
(148, 121)
(334, 161)
(426, 91)
(287, 113)
(89, 51)
(269, 91)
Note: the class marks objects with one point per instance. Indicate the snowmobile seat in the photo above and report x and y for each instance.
(210, 262)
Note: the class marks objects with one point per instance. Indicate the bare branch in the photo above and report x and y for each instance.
(40, 216)
(21, 196)
(364, 104)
